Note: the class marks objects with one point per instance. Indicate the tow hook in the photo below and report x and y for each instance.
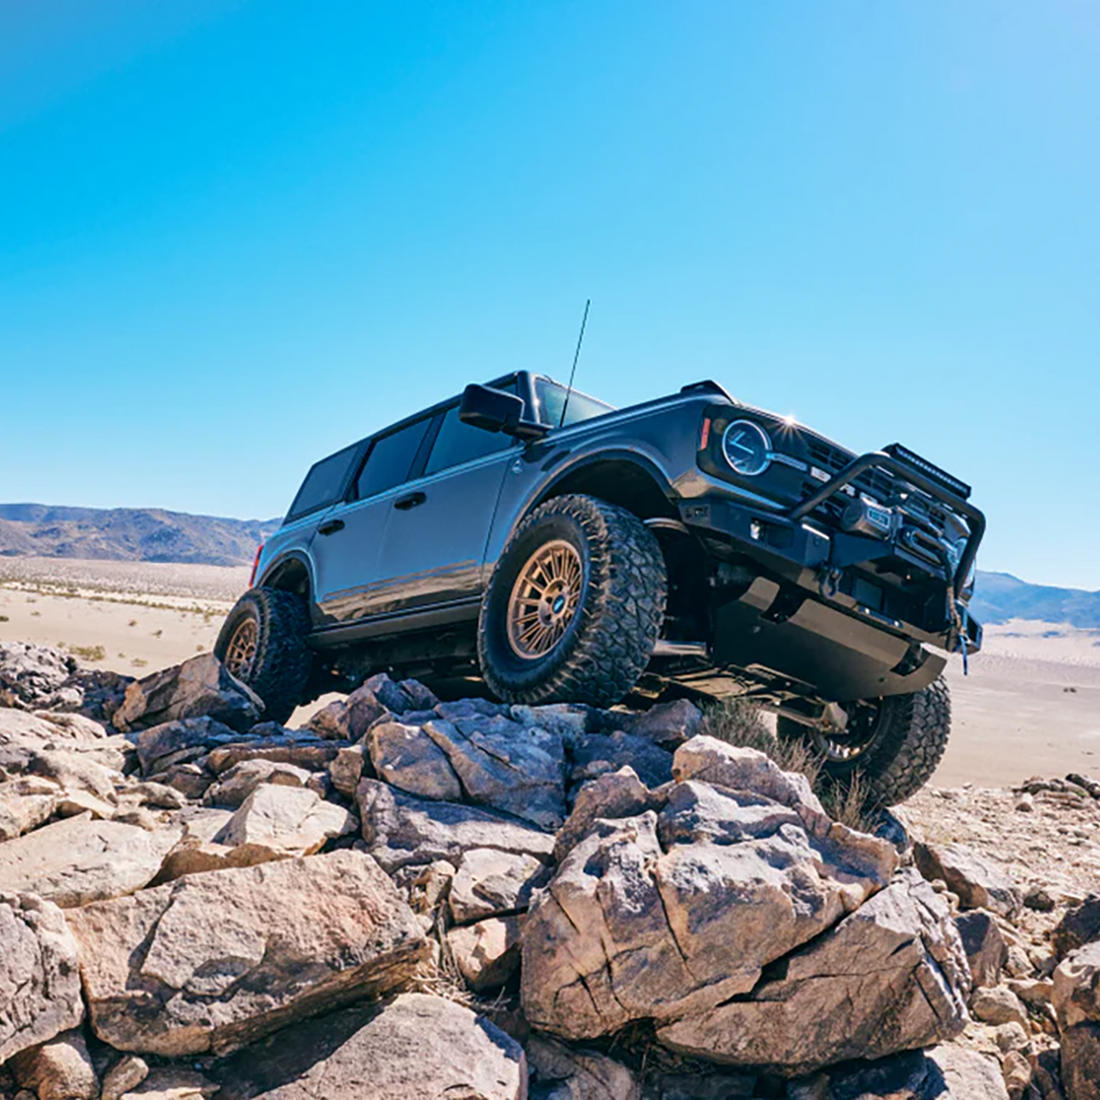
(828, 581)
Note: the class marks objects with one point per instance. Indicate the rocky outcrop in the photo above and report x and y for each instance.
(216, 960)
(638, 921)
(201, 686)
(39, 980)
(416, 1046)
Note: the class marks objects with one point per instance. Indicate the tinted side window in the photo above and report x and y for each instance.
(323, 483)
(457, 442)
(390, 460)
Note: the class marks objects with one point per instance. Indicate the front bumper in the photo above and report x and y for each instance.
(846, 615)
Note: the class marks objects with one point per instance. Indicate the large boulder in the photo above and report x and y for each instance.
(415, 1047)
(985, 947)
(1077, 1005)
(975, 880)
(80, 860)
(492, 883)
(668, 917)
(37, 676)
(214, 961)
(39, 979)
(406, 757)
(600, 753)
(892, 976)
(236, 784)
(200, 687)
(400, 830)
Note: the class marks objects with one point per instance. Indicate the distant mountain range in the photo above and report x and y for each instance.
(151, 534)
(999, 597)
(128, 534)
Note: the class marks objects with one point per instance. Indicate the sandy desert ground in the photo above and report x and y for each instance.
(1031, 704)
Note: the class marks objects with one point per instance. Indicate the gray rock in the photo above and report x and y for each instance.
(348, 768)
(79, 860)
(33, 676)
(998, 1005)
(406, 757)
(126, 1074)
(415, 1047)
(614, 794)
(39, 977)
(601, 753)
(890, 977)
(1077, 1006)
(1079, 925)
(399, 829)
(627, 931)
(238, 782)
(181, 741)
(505, 766)
(290, 821)
(977, 882)
(581, 1074)
(59, 1069)
(492, 883)
(172, 1083)
(986, 950)
(290, 747)
(200, 687)
(214, 961)
(25, 803)
(570, 721)
(668, 724)
(487, 953)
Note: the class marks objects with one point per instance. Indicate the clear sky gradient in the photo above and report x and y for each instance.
(237, 235)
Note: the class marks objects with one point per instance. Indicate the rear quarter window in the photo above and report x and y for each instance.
(324, 483)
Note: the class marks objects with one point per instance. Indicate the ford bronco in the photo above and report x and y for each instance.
(564, 550)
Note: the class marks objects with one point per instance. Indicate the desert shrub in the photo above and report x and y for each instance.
(88, 652)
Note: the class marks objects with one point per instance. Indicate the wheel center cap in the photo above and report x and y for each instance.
(558, 606)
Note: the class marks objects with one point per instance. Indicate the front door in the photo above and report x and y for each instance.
(433, 548)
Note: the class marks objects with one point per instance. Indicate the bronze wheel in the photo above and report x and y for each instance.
(241, 651)
(544, 599)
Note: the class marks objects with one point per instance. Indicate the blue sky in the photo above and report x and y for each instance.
(237, 235)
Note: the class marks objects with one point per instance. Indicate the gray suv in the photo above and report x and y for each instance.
(558, 549)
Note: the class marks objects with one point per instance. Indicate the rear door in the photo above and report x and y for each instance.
(346, 549)
(434, 544)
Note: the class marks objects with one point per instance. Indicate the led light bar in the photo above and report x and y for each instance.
(930, 471)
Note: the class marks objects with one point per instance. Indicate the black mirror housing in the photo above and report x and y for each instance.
(496, 411)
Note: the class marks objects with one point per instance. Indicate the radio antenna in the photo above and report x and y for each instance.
(576, 356)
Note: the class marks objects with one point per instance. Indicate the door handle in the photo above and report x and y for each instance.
(411, 501)
(331, 527)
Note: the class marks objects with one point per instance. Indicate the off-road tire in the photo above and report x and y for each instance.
(280, 669)
(908, 742)
(610, 638)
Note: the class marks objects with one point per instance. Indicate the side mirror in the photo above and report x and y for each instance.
(497, 411)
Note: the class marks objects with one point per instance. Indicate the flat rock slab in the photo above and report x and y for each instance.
(489, 883)
(214, 961)
(400, 829)
(181, 741)
(39, 978)
(80, 860)
(892, 976)
(25, 803)
(290, 821)
(416, 1047)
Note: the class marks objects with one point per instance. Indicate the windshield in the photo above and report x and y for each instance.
(551, 397)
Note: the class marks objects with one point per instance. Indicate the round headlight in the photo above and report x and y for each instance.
(747, 448)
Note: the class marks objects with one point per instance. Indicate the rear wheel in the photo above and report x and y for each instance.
(263, 644)
(894, 744)
(574, 606)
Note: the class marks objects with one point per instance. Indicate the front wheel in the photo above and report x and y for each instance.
(894, 744)
(263, 644)
(574, 606)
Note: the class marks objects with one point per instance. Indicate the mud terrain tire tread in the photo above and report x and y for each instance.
(907, 748)
(609, 644)
(283, 662)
